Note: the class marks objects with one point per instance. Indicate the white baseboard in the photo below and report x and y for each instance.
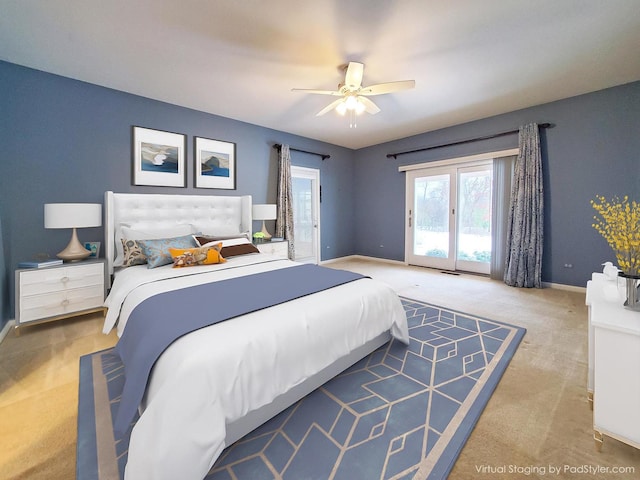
(558, 286)
(363, 257)
(6, 329)
(562, 286)
(337, 259)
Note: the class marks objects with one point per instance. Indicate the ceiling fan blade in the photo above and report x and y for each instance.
(369, 106)
(329, 107)
(389, 87)
(353, 77)
(319, 92)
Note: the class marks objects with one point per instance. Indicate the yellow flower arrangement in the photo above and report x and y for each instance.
(619, 223)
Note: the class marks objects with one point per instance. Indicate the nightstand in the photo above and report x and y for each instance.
(279, 248)
(53, 293)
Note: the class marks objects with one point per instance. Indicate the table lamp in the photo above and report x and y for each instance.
(265, 212)
(73, 215)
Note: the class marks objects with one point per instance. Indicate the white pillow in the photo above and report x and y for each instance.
(235, 241)
(141, 232)
(226, 242)
(219, 229)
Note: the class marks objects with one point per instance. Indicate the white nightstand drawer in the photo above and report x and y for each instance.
(59, 279)
(36, 307)
(278, 248)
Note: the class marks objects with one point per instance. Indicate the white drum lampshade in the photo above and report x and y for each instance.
(73, 215)
(264, 212)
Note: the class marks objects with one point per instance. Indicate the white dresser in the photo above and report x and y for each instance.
(57, 292)
(279, 248)
(614, 363)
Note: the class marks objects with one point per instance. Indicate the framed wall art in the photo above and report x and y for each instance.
(94, 248)
(215, 163)
(159, 158)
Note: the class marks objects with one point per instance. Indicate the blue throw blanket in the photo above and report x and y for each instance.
(159, 320)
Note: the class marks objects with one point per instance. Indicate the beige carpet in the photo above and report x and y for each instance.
(538, 417)
(39, 396)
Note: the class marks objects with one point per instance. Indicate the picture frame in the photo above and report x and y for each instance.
(158, 157)
(94, 248)
(214, 163)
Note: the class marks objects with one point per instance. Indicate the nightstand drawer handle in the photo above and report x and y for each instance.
(65, 302)
(64, 279)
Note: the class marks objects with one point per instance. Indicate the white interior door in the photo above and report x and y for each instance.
(449, 217)
(306, 214)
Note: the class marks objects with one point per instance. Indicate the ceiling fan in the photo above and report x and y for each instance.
(353, 96)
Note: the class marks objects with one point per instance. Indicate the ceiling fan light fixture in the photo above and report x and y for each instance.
(341, 108)
(360, 107)
(351, 102)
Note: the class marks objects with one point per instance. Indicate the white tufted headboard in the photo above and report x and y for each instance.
(208, 214)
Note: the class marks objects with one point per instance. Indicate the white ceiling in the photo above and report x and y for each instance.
(240, 59)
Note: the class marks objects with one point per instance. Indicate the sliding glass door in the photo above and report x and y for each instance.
(449, 217)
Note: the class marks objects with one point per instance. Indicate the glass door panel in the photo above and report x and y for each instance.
(474, 219)
(302, 218)
(430, 221)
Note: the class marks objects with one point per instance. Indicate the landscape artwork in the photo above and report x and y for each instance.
(158, 158)
(215, 162)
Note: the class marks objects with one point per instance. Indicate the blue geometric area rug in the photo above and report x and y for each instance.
(400, 413)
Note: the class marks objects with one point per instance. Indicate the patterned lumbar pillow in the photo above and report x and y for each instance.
(157, 251)
(132, 253)
(196, 256)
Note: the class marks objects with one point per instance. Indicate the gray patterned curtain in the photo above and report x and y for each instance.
(284, 221)
(523, 267)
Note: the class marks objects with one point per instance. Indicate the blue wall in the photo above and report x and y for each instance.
(593, 149)
(69, 141)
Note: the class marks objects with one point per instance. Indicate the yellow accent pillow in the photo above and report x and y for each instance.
(188, 257)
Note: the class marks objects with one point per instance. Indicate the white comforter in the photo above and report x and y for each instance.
(216, 375)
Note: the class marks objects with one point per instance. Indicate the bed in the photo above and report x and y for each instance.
(212, 386)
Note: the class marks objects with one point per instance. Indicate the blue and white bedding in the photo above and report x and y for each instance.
(216, 375)
(133, 284)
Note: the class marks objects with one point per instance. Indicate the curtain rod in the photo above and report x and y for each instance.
(323, 155)
(460, 142)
